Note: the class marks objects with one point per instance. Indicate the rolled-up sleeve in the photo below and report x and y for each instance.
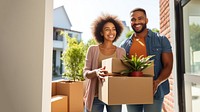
(166, 46)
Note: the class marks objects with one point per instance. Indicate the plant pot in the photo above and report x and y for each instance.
(137, 74)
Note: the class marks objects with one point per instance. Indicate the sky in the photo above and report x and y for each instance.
(83, 12)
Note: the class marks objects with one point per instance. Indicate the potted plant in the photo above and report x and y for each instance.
(136, 64)
(73, 61)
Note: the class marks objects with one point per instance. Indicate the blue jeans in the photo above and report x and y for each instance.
(98, 106)
(155, 107)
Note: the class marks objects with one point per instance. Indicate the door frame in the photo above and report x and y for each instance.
(180, 53)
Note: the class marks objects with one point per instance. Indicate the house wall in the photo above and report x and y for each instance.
(77, 35)
(61, 19)
(167, 28)
(26, 55)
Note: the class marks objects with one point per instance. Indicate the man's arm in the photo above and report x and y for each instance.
(167, 61)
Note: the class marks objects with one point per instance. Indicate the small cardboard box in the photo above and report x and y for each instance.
(126, 90)
(59, 103)
(74, 91)
(113, 65)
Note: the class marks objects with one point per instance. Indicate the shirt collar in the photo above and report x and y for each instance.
(148, 35)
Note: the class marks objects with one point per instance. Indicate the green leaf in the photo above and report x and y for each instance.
(137, 63)
(73, 59)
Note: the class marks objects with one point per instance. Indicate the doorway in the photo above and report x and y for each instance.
(191, 33)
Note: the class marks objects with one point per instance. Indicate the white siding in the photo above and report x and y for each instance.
(60, 18)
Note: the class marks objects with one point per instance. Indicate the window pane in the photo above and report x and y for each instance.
(194, 29)
(192, 37)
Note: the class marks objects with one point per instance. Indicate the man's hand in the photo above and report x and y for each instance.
(155, 86)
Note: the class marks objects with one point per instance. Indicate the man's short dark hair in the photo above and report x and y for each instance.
(138, 9)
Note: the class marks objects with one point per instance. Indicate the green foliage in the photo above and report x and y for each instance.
(73, 59)
(195, 36)
(155, 30)
(136, 63)
(90, 42)
(128, 34)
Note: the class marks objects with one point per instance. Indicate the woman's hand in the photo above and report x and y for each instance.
(101, 73)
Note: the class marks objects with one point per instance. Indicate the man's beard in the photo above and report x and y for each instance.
(144, 26)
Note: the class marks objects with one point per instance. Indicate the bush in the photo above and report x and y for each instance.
(73, 59)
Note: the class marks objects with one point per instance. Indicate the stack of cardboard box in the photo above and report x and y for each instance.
(67, 96)
(59, 103)
(117, 89)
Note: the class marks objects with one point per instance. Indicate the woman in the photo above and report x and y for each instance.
(106, 29)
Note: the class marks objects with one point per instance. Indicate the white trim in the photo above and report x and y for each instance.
(193, 78)
(173, 43)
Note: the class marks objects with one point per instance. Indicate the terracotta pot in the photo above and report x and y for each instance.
(137, 74)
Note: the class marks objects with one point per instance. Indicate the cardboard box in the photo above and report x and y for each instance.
(59, 103)
(53, 88)
(126, 90)
(74, 91)
(114, 66)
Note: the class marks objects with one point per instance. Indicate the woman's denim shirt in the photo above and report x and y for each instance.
(155, 45)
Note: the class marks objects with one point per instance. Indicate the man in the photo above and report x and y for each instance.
(145, 42)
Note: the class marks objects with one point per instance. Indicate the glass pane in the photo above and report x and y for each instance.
(192, 36)
(194, 29)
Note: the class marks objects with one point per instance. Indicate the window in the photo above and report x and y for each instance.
(70, 34)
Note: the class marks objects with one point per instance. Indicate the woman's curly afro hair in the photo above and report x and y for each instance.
(97, 26)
